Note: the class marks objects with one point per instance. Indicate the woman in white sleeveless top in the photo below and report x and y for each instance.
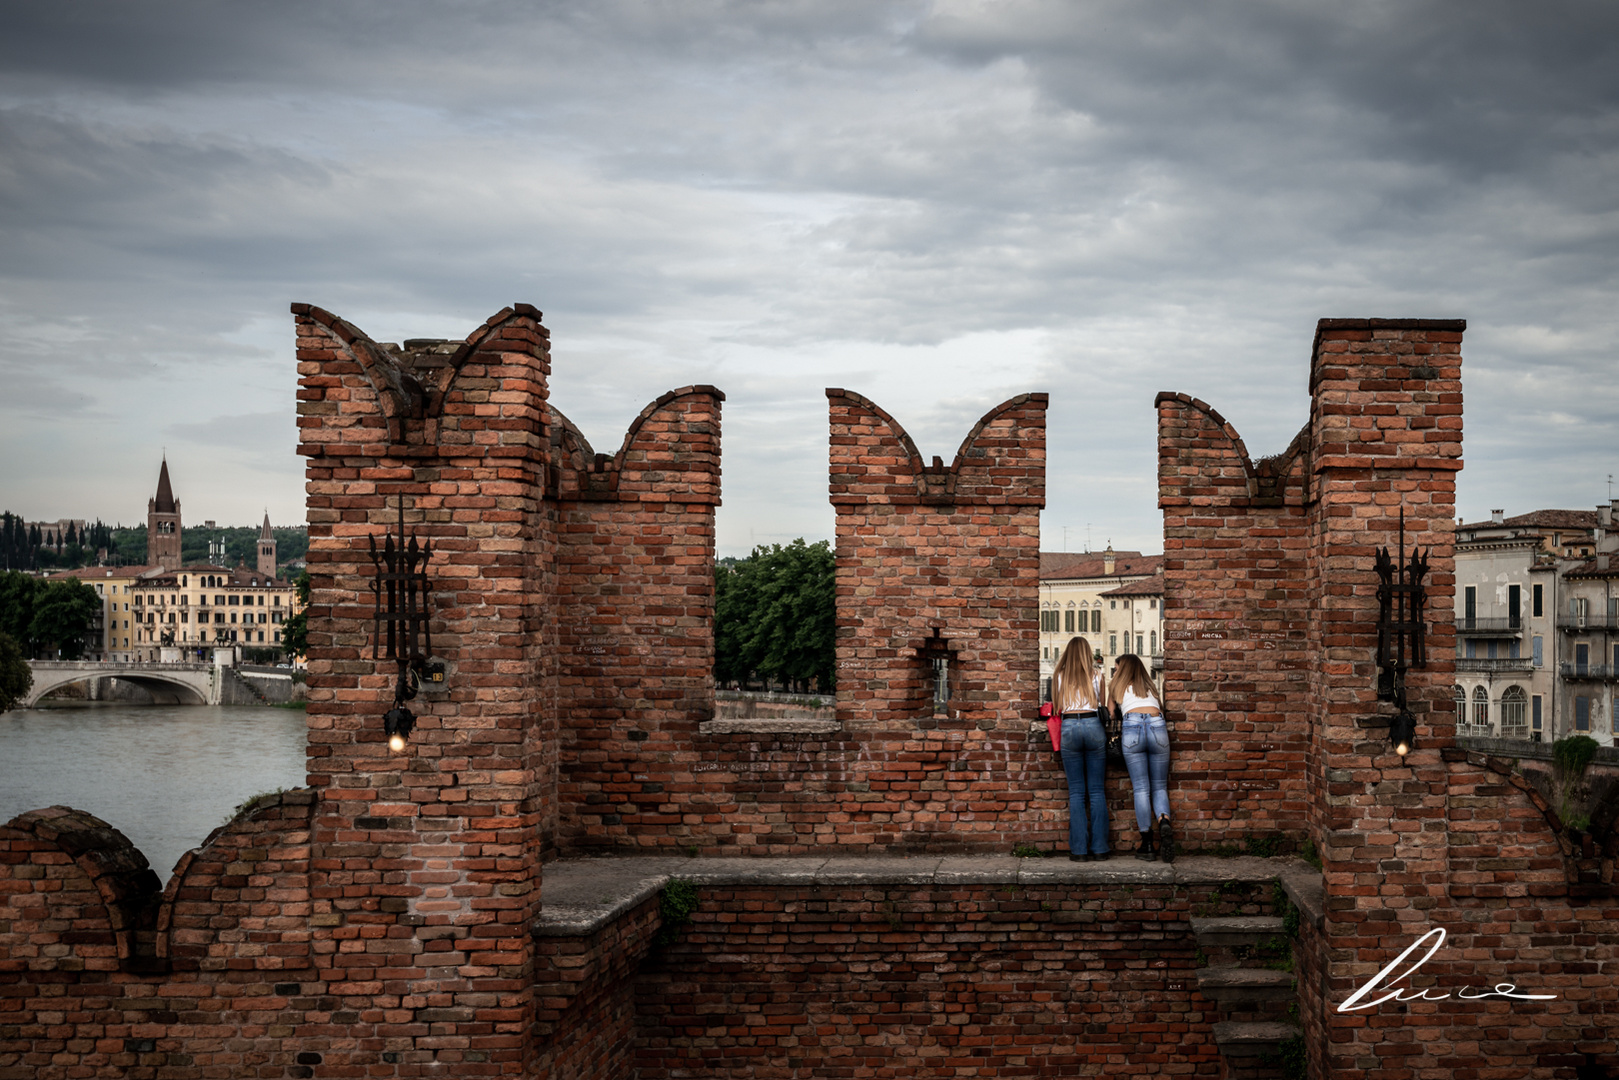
(1146, 752)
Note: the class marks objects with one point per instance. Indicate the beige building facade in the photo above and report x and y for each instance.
(1113, 599)
(1537, 625)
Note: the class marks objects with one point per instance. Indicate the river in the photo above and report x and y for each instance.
(164, 775)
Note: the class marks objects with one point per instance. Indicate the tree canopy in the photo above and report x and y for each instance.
(16, 677)
(774, 616)
(295, 634)
(47, 619)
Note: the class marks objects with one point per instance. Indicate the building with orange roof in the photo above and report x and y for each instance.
(1090, 594)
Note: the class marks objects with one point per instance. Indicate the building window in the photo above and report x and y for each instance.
(1514, 607)
(1154, 636)
(1512, 649)
(1481, 708)
(1096, 621)
(1470, 605)
(1113, 605)
(1472, 649)
(1152, 605)
(1514, 704)
(1582, 658)
(1068, 622)
(1048, 622)
(1539, 601)
(1139, 643)
(1113, 644)
(1582, 714)
(1538, 644)
(1534, 714)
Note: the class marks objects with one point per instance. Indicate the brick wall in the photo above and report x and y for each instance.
(634, 608)
(425, 874)
(894, 980)
(1237, 599)
(1271, 680)
(103, 973)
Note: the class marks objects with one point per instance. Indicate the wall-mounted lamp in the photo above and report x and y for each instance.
(936, 653)
(1401, 635)
(1403, 733)
(397, 723)
(400, 588)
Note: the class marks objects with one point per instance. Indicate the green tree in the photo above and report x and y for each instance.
(16, 677)
(17, 594)
(775, 616)
(63, 611)
(295, 636)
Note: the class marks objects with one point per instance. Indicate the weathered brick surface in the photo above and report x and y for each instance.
(975, 980)
(103, 975)
(425, 871)
(585, 993)
(1271, 681)
(634, 609)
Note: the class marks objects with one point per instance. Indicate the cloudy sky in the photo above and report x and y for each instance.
(936, 204)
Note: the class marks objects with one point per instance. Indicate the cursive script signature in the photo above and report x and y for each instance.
(1504, 990)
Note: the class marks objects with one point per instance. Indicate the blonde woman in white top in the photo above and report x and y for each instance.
(1076, 692)
(1145, 740)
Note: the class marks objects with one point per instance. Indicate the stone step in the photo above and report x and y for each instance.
(1237, 929)
(1252, 1038)
(1240, 985)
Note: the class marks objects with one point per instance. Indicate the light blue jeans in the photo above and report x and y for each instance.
(1145, 741)
(1084, 760)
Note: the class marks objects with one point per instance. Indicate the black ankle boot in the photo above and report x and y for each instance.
(1166, 840)
(1145, 851)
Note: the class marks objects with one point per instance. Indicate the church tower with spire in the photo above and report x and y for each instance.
(163, 524)
(266, 548)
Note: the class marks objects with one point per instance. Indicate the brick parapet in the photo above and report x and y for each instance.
(634, 607)
(1236, 656)
(425, 864)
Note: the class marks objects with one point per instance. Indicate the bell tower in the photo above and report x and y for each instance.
(266, 548)
(163, 524)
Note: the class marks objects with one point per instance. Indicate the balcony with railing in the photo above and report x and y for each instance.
(1489, 626)
(1578, 624)
(1594, 672)
(1495, 664)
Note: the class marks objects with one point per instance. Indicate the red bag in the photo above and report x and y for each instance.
(1053, 721)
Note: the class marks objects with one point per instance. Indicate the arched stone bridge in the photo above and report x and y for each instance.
(184, 683)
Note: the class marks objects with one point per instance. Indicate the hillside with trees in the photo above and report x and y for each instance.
(24, 548)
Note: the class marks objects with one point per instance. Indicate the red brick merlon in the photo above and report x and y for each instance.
(410, 388)
(1191, 426)
(874, 460)
(671, 453)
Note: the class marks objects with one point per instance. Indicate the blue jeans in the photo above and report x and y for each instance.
(1084, 759)
(1146, 754)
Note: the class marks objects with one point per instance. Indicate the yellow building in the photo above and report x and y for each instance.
(171, 612)
(112, 635)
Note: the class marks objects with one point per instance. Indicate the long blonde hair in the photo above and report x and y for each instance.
(1129, 671)
(1073, 682)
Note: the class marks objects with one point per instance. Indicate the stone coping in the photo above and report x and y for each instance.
(769, 725)
(581, 896)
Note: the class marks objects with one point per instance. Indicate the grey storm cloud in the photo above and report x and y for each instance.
(939, 204)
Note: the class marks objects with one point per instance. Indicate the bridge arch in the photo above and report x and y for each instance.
(174, 684)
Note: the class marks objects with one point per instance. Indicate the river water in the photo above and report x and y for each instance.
(164, 775)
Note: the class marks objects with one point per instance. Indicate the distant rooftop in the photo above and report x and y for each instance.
(1066, 566)
(1540, 519)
